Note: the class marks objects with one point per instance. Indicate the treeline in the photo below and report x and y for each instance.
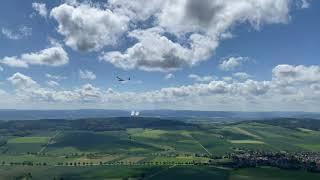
(3, 142)
(23, 127)
(24, 163)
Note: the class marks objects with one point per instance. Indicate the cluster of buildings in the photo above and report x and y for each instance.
(309, 161)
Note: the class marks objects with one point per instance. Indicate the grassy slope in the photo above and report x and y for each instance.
(76, 173)
(271, 173)
(155, 173)
(81, 141)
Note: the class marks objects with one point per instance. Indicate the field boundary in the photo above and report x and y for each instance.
(49, 142)
(200, 144)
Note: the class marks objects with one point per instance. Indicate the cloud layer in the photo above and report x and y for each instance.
(289, 88)
(167, 35)
(163, 36)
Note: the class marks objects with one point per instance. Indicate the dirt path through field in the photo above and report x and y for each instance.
(200, 144)
(49, 142)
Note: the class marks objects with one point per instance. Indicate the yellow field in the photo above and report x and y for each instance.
(98, 159)
(149, 133)
(242, 131)
(42, 140)
(305, 130)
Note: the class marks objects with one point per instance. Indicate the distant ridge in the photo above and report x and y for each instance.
(178, 114)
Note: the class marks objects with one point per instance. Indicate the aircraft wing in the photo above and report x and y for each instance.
(119, 79)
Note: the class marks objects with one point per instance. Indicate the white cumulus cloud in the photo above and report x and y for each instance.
(198, 78)
(52, 83)
(88, 28)
(14, 62)
(289, 74)
(53, 56)
(155, 52)
(241, 75)
(86, 74)
(232, 63)
(169, 76)
(22, 81)
(164, 35)
(40, 8)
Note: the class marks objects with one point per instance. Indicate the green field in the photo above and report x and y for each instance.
(34, 139)
(153, 173)
(110, 142)
(218, 140)
(271, 173)
(152, 153)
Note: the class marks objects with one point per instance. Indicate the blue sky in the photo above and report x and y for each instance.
(262, 55)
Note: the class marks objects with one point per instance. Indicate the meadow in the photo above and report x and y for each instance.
(148, 151)
(152, 173)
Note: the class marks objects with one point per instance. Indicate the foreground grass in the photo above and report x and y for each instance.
(152, 173)
(76, 173)
(267, 173)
